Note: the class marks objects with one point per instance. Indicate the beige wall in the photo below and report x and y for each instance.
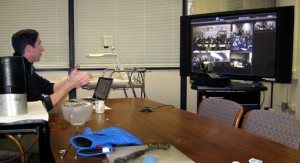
(293, 90)
(204, 6)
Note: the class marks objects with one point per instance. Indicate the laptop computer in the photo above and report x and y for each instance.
(101, 91)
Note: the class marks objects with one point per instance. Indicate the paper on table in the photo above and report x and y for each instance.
(36, 110)
(162, 156)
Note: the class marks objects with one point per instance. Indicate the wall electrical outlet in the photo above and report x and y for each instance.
(107, 41)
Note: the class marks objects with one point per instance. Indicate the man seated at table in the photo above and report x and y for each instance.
(27, 43)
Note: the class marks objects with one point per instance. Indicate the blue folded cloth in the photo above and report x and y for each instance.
(92, 143)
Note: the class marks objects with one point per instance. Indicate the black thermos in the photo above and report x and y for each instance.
(13, 99)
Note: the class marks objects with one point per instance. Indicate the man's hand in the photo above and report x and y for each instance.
(78, 79)
(75, 79)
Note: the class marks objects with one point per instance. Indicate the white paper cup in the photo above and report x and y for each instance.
(99, 106)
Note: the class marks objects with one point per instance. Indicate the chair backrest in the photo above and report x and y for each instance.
(223, 110)
(277, 126)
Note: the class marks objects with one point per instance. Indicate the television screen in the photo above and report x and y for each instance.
(244, 44)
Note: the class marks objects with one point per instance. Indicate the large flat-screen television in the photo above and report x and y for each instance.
(254, 44)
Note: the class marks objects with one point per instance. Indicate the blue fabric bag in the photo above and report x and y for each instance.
(100, 142)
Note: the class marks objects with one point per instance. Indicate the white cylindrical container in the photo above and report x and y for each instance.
(99, 106)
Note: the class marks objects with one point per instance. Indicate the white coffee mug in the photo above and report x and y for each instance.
(99, 106)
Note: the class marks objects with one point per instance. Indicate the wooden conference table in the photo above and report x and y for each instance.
(199, 138)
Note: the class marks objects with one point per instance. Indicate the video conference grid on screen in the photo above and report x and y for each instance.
(241, 44)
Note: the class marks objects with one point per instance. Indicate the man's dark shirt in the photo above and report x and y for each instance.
(37, 86)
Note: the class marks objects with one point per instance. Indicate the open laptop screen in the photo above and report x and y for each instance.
(102, 88)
